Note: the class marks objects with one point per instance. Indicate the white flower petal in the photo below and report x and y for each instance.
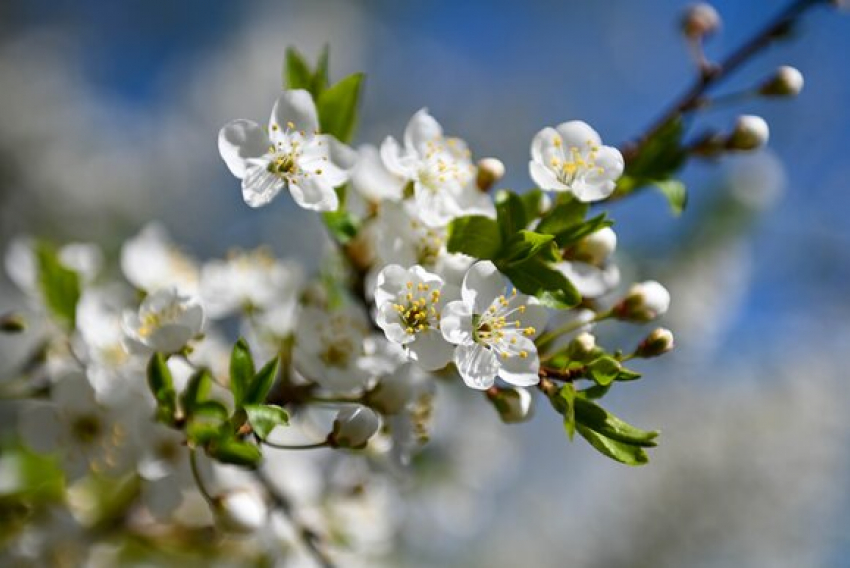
(545, 178)
(430, 350)
(520, 371)
(240, 140)
(482, 284)
(542, 143)
(456, 323)
(395, 161)
(577, 133)
(260, 186)
(314, 193)
(372, 179)
(390, 282)
(477, 365)
(421, 129)
(295, 106)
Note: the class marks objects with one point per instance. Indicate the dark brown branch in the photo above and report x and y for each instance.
(692, 98)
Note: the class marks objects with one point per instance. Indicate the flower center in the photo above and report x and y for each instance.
(498, 327)
(86, 429)
(417, 310)
(575, 162)
(337, 354)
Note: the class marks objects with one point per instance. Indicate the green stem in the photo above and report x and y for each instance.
(193, 462)
(548, 337)
(314, 446)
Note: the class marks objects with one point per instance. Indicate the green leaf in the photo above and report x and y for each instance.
(532, 202)
(59, 285)
(241, 371)
(297, 73)
(337, 106)
(235, 452)
(320, 76)
(476, 236)
(262, 383)
(523, 246)
(342, 225)
(577, 232)
(595, 392)
(212, 409)
(510, 213)
(567, 394)
(563, 216)
(661, 155)
(604, 370)
(535, 278)
(676, 194)
(161, 385)
(263, 418)
(619, 451)
(596, 418)
(627, 375)
(197, 390)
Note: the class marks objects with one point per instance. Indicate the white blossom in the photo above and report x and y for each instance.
(150, 262)
(571, 158)
(494, 330)
(241, 510)
(408, 303)
(290, 155)
(165, 322)
(248, 280)
(353, 426)
(440, 169)
(329, 348)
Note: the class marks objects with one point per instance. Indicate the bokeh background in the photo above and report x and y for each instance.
(109, 113)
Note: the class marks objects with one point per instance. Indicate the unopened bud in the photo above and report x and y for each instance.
(786, 82)
(514, 404)
(751, 132)
(658, 342)
(12, 323)
(583, 345)
(644, 302)
(700, 20)
(490, 170)
(240, 510)
(597, 246)
(353, 427)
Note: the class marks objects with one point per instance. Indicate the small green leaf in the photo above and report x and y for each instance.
(563, 216)
(263, 418)
(59, 285)
(297, 73)
(235, 452)
(197, 390)
(567, 395)
(342, 225)
(535, 278)
(262, 383)
(604, 370)
(161, 385)
(320, 76)
(675, 192)
(532, 202)
(619, 451)
(241, 371)
(203, 431)
(577, 232)
(510, 213)
(159, 375)
(522, 246)
(627, 375)
(476, 236)
(337, 106)
(596, 418)
(211, 409)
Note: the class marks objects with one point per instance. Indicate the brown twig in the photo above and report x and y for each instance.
(692, 98)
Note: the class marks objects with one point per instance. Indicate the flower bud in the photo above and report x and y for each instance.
(658, 342)
(583, 345)
(786, 82)
(490, 170)
(597, 247)
(12, 323)
(353, 427)
(700, 20)
(513, 404)
(750, 133)
(240, 510)
(644, 302)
